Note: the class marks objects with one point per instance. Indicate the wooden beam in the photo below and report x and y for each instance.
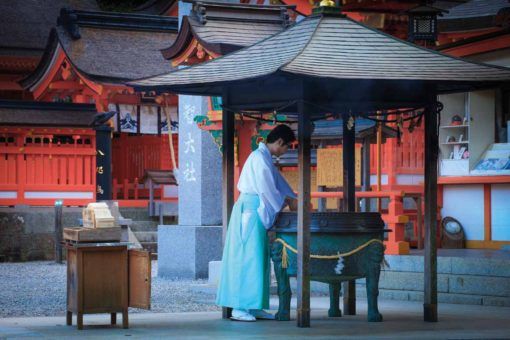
(349, 201)
(430, 270)
(228, 172)
(303, 237)
(66, 85)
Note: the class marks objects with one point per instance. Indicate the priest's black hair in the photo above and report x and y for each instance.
(281, 131)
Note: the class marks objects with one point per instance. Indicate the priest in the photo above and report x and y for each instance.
(245, 271)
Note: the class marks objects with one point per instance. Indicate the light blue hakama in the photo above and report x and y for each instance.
(245, 271)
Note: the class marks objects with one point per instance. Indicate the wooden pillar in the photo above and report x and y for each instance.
(303, 237)
(366, 172)
(228, 126)
(430, 270)
(348, 145)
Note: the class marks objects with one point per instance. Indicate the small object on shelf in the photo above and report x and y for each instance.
(450, 139)
(456, 120)
(465, 155)
(458, 151)
(451, 155)
(461, 137)
(465, 120)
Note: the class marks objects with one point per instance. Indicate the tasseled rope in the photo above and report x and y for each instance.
(285, 256)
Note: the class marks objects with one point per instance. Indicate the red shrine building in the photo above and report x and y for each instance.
(89, 56)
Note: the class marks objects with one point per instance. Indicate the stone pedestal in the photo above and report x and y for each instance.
(185, 251)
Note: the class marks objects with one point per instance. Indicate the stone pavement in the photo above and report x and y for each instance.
(402, 319)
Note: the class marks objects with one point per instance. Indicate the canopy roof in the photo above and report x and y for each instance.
(331, 51)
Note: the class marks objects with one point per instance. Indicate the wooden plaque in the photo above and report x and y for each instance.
(330, 167)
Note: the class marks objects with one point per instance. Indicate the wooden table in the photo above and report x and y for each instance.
(106, 278)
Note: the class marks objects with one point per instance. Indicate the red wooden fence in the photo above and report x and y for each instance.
(41, 165)
(132, 155)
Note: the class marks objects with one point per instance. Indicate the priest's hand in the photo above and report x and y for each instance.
(292, 203)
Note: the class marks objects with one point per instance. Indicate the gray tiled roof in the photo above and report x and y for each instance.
(225, 27)
(46, 114)
(109, 47)
(25, 24)
(234, 32)
(476, 8)
(331, 47)
(117, 54)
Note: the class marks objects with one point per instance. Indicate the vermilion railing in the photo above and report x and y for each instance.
(132, 155)
(404, 158)
(41, 165)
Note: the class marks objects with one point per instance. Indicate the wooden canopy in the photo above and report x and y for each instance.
(329, 63)
(335, 48)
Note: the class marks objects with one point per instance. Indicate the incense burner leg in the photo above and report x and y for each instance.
(375, 255)
(283, 283)
(79, 320)
(69, 318)
(125, 320)
(334, 299)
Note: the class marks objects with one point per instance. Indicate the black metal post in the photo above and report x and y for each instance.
(228, 131)
(303, 235)
(103, 162)
(349, 199)
(58, 232)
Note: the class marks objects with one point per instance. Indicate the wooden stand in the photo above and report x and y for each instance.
(106, 278)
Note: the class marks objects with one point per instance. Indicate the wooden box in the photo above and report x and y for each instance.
(106, 278)
(79, 234)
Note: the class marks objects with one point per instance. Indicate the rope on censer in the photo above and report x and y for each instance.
(339, 267)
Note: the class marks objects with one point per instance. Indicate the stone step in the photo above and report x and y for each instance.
(136, 214)
(146, 236)
(464, 299)
(139, 226)
(490, 263)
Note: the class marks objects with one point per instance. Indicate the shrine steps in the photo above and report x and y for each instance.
(465, 276)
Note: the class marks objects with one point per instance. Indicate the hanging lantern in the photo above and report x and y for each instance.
(423, 23)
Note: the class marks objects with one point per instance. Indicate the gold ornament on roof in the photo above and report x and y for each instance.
(327, 3)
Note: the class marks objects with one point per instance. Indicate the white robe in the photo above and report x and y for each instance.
(259, 176)
(245, 269)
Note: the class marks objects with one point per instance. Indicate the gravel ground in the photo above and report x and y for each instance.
(39, 289)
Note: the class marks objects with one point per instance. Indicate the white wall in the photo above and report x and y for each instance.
(465, 203)
(500, 212)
